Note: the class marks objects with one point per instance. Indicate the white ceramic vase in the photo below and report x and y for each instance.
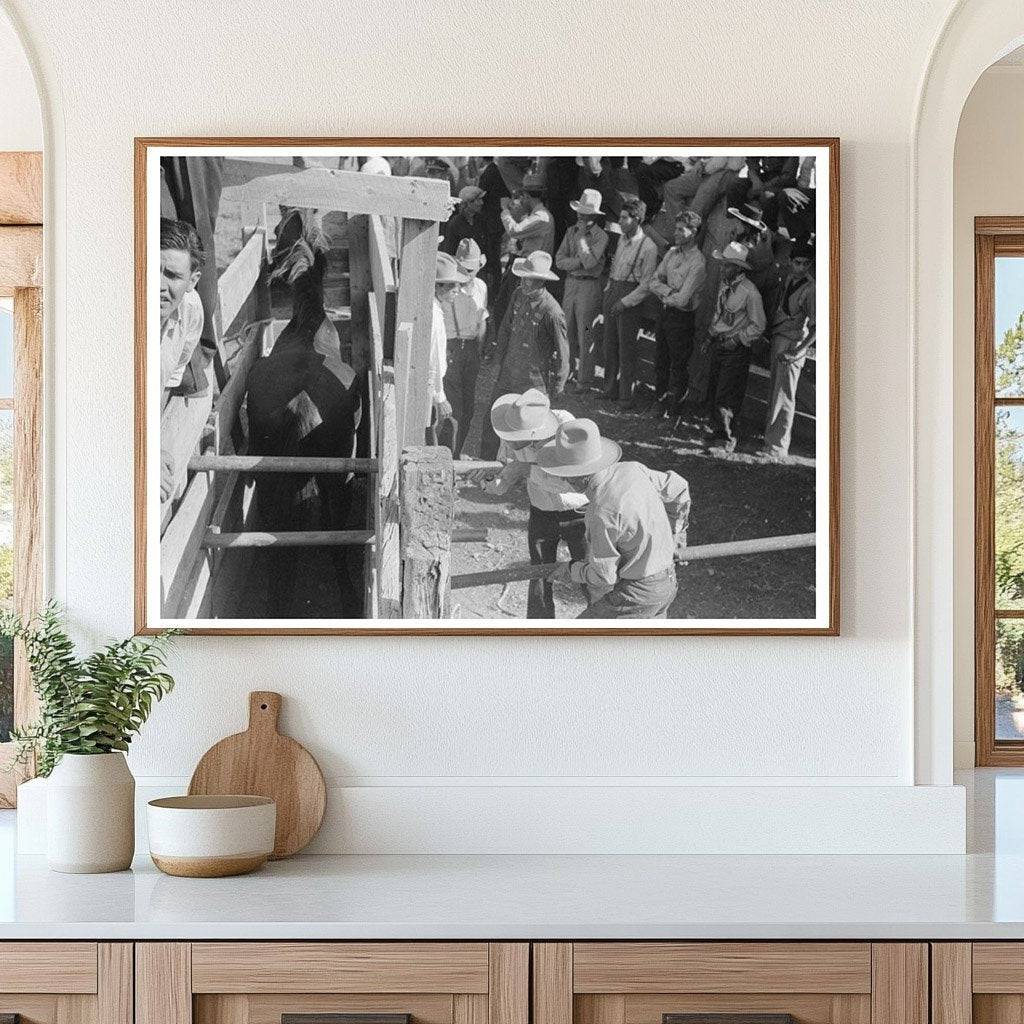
(90, 814)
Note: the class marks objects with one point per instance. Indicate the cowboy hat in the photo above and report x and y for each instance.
(525, 417)
(578, 450)
(734, 252)
(537, 265)
(803, 249)
(469, 193)
(448, 270)
(469, 257)
(589, 203)
(749, 213)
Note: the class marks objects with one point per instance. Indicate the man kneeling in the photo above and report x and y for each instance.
(636, 519)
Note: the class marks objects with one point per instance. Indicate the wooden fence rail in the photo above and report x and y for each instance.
(698, 553)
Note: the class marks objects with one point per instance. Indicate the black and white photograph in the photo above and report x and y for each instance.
(394, 386)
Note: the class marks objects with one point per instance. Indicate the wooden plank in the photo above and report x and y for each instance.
(403, 358)
(115, 983)
(417, 270)
(387, 548)
(427, 498)
(998, 967)
(552, 983)
(600, 1009)
(76, 1009)
(235, 285)
(381, 272)
(279, 464)
(951, 983)
(509, 986)
(288, 539)
(815, 1008)
(21, 258)
(997, 1009)
(233, 394)
(30, 1009)
(21, 188)
(468, 1008)
(899, 983)
(182, 544)
(223, 1009)
(722, 967)
(376, 336)
(269, 1009)
(321, 188)
(360, 283)
(28, 504)
(67, 967)
(339, 967)
(163, 983)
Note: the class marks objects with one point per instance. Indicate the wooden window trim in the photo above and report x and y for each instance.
(21, 268)
(993, 236)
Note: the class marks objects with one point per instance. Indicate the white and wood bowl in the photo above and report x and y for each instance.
(211, 836)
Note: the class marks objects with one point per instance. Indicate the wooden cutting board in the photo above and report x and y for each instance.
(262, 762)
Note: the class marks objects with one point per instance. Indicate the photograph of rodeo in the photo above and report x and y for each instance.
(502, 389)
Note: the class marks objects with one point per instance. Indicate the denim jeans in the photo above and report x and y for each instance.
(647, 598)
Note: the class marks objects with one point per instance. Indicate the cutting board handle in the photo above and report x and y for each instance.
(264, 710)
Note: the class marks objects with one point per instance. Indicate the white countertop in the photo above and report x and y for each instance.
(532, 897)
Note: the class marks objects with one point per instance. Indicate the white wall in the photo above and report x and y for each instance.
(21, 123)
(988, 181)
(442, 714)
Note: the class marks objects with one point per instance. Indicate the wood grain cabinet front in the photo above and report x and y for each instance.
(66, 982)
(977, 982)
(315, 982)
(730, 983)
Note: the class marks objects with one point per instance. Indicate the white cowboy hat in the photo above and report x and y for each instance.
(537, 264)
(525, 417)
(588, 203)
(734, 252)
(469, 257)
(448, 270)
(578, 450)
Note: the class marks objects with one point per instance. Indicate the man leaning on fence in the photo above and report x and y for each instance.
(636, 522)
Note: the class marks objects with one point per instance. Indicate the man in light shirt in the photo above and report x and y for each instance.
(181, 322)
(181, 311)
(633, 267)
(581, 258)
(636, 523)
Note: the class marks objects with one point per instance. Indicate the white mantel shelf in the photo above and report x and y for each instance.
(531, 897)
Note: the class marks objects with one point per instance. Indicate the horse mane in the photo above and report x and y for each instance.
(300, 239)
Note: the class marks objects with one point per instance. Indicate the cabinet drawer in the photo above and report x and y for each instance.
(48, 967)
(635, 967)
(260, 982)
(340, 967)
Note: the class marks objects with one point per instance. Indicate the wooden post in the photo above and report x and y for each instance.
(403, 356)
(416, 306)
(387, 551)
(427, 494)
(360, 285)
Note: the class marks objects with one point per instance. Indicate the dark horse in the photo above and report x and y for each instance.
(303, 400)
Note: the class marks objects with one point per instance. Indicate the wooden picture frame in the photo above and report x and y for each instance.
(399, 571)
(21, 278)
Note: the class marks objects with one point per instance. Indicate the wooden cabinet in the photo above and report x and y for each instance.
(979, 982)
(815, 982)
(259, 982)
(66, 982)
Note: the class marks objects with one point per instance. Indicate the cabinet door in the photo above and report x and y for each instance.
(737, 982)
(66, 982)
(980, 982)
(314, 982)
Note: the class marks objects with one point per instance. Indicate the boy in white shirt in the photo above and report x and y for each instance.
(525, 423)
(465, 321)
(447, 278)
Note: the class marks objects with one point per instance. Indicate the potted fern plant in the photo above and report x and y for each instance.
(89, 710)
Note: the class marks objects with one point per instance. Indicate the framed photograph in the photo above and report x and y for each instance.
(487, 386)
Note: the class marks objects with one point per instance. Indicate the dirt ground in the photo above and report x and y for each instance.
(735, 497)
